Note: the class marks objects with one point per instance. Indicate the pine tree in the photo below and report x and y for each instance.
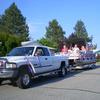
(13, 22)
(13, 29)
(80, 31)
(54, 33)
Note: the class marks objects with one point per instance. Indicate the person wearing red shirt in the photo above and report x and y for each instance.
(64, 49)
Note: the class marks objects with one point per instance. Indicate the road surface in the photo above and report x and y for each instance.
(77, 85)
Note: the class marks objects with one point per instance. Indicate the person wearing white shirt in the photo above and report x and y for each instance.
(76, 50)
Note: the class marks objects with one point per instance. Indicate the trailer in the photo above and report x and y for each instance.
(85, 59)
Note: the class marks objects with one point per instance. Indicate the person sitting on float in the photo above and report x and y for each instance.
(76, 50)
(64, 49)
(83, 49)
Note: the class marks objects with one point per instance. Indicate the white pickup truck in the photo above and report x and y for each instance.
(25, 62)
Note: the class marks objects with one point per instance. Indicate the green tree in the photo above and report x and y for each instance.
(8, 42)
(13, 22)
(95, 46)
(45, 42)
(81, 32)
(3, 38)
(54, 33)
(74, 39)
(12, 42)
(13, 29)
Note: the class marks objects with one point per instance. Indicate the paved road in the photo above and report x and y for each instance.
(77, 85)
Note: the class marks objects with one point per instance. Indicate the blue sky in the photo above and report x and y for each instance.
(67, 12)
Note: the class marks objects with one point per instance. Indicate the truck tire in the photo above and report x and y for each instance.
(24, 80)
(62, 72)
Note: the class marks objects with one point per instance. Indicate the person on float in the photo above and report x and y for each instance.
(76, 50)
(64, 50)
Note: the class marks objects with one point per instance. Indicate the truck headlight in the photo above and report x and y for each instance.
(2, 63)
(11, 65)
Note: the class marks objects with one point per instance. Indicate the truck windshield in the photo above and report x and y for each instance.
(21, 51)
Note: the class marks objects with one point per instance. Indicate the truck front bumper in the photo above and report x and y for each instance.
(8, 73)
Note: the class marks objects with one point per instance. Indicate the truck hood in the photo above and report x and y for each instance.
(13, 58)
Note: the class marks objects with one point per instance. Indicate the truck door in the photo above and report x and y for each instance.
(44, 58)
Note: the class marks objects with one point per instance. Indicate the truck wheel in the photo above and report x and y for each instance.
(62, 72)
(24, 80)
